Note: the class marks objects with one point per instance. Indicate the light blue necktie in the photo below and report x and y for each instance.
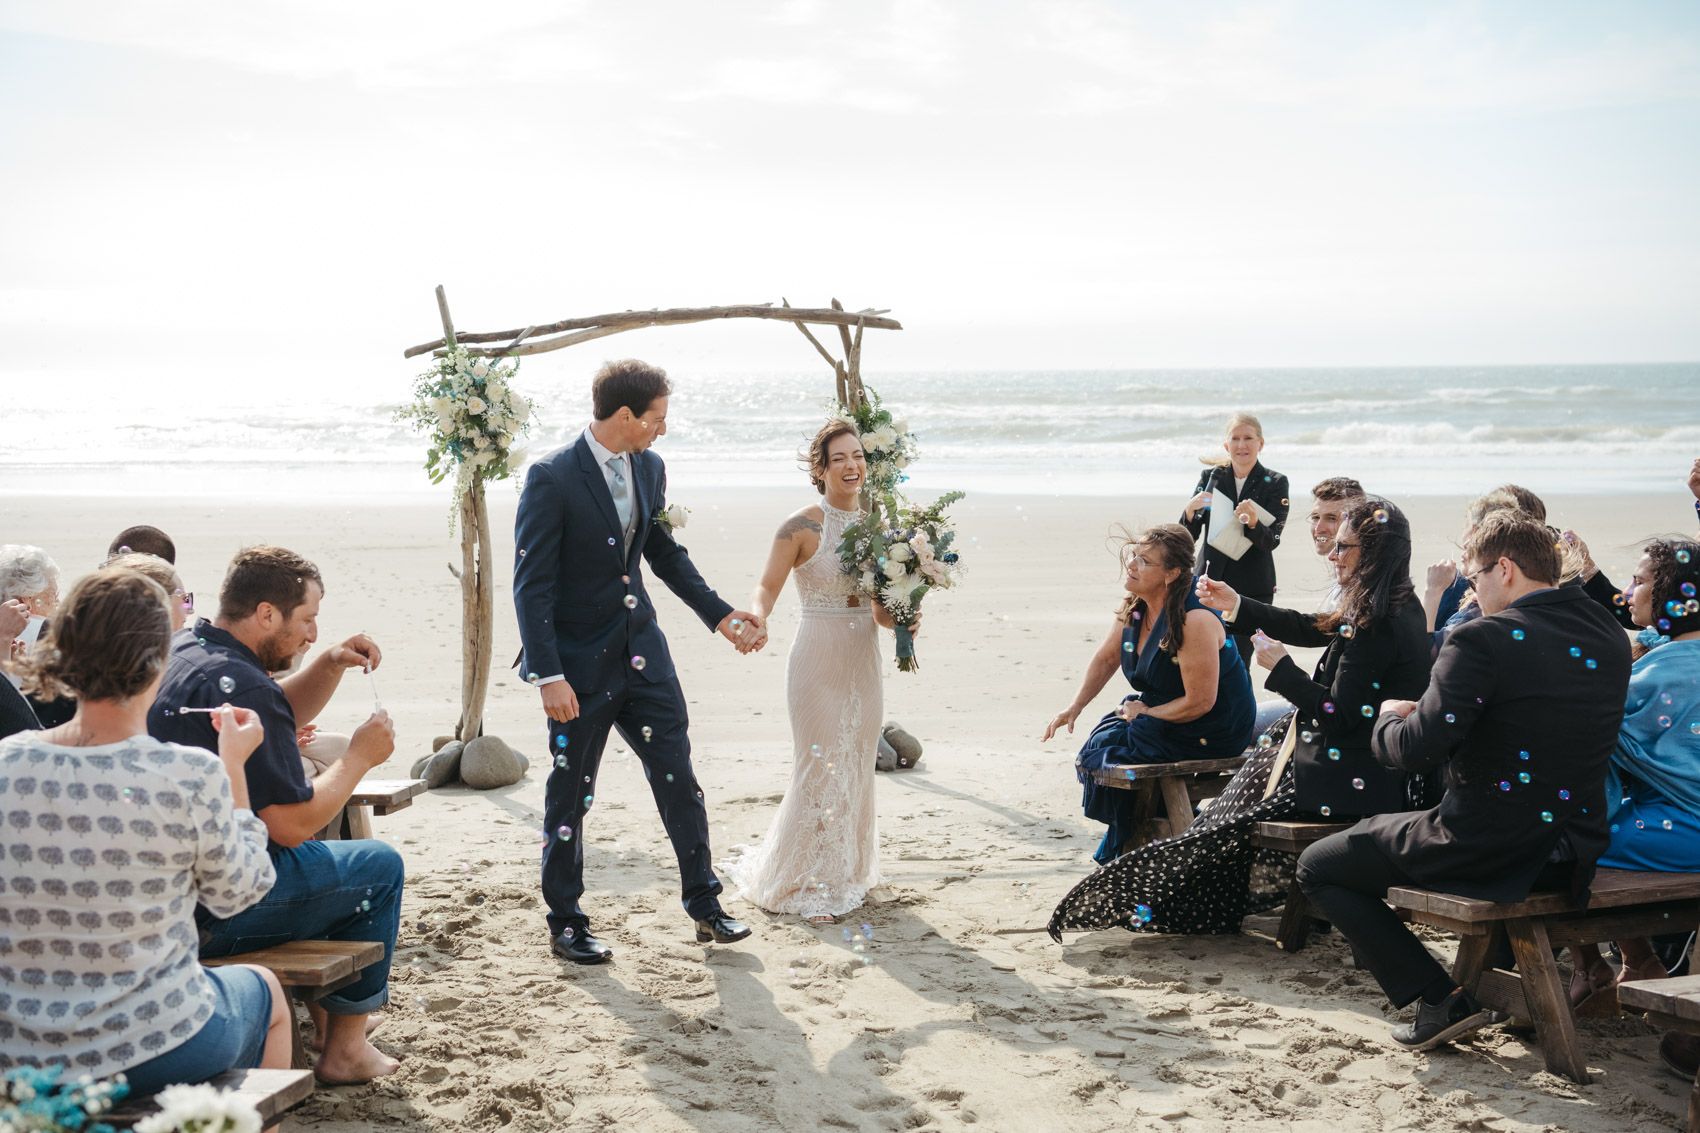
(621, 493)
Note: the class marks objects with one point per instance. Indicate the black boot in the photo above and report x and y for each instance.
(1439, 1023)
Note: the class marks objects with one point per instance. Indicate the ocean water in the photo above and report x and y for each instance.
(1410, 431)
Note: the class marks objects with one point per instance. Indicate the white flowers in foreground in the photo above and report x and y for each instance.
(200, 1109)
(673, 517)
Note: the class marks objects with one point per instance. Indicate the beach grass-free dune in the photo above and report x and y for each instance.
(952, 1010)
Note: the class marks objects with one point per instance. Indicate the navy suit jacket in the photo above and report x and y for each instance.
(571, 577)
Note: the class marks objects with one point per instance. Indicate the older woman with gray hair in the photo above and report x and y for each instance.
(29, 585)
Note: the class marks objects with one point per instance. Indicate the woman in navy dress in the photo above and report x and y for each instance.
(1192, 696)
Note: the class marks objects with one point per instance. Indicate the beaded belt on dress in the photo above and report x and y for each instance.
(834, 611)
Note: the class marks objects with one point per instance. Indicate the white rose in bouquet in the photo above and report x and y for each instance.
(900, 425)
(899, 552)
(496, 392)
(677, 516)
(481, 369)
(480, 442)
(892, 569)
(475, 404)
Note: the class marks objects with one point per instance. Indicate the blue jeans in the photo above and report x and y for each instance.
(233, 1039)
(325, 891)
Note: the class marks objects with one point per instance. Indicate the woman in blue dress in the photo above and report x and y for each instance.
(1654, 780)
(1192, 696)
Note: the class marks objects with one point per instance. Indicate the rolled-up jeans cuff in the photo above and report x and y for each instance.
(335, 1004)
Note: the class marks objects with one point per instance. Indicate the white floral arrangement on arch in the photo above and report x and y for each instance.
(886, 441)
(472, 414)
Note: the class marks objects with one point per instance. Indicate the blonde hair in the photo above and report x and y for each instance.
(1220, 460)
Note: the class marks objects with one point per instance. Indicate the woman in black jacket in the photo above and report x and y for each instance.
(1242, 480)
(1316, 763)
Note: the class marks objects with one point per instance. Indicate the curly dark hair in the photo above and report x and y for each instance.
(1382, 582)
(815, 456)
(109, 640)
(1175, 548)
(1676, 564)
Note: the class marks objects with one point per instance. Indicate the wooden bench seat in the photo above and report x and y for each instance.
(385, 796)
(1181, 786)
(1297, 917)
(1674, 1005)
(311, 969)
(271, 1092)
(1623, 903)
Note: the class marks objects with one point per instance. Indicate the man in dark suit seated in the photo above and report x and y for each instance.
(1521, 714)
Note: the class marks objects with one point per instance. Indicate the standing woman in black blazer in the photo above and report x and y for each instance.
(1241, 478)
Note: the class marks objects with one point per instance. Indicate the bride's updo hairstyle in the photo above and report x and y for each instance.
(109, 640)
(815, 456)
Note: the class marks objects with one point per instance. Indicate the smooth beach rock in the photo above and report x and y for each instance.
(487, 762)
(885, 759)
(442, 767)
(439, 743)
(907, 747)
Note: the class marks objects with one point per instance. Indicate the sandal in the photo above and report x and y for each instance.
(820, 921)
(1593, 990)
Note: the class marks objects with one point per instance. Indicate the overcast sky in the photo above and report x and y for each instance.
(255, 188)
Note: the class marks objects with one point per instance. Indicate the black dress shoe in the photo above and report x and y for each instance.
(721, 929)
(580, 947)
(1439, 1023)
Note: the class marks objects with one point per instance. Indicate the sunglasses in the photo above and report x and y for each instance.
(187, 597)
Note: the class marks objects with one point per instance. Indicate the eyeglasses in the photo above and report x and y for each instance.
(1339, 549)
(1473, 575)
(187, 597)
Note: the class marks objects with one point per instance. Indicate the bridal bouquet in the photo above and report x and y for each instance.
(897, 554)
(472, 413)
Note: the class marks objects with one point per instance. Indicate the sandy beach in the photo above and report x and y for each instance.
(958, 1012)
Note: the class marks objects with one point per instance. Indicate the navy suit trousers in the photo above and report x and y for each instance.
(652, 719)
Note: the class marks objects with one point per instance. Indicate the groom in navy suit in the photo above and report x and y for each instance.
(594, 650)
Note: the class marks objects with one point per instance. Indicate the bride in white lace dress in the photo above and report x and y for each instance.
(820, 856)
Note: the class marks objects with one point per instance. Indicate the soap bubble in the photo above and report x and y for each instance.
(564, 833)
(647, 731)
(1328, 706)
(1564, 793)
(1518, 635)
(1127, 647)
(1591, 663)
(1324, 811)
(1666, 824)
(1306, 737)
(1576, 651)
(1688, 590)
(1347, 630)
(868, 931)
(1267, 741)
(1334, 754)
(1142, 913)
(1505, 784)
(1451, 719)
(1368, 710)
(365, 906)
(1682, 556)
(1546, 816)
(737, 624)
(561, 761)
(587, 799)
(638, 663)
(1357, 784)
(669, 776)
(631, 601)
(531, 678)
(123, 550)
(1523, 755)
(227, 684)
(1640, 824)
(1694, 728)
(1381, 515)
(1523, 776)
(561, 739)
(1664, 721)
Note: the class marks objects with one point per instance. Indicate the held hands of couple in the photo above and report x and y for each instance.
(746, 631)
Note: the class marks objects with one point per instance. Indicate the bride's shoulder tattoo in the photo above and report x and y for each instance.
(796, 525)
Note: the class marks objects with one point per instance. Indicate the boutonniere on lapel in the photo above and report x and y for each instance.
(672, 518)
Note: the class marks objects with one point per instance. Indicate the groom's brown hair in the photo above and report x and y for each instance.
(629, 383)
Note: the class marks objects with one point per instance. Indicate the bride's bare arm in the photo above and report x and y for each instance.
(793, 545)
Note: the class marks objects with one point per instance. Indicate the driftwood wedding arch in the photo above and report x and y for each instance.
(477, 597)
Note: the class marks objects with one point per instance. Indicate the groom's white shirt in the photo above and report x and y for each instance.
(603, 456)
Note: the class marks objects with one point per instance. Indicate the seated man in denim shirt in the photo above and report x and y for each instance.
(346, 890)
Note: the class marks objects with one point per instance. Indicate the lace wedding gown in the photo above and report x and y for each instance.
(821, 854)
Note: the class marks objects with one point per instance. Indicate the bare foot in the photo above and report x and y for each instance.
(363, 1064)
(316, 1044)
(1648, 969)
